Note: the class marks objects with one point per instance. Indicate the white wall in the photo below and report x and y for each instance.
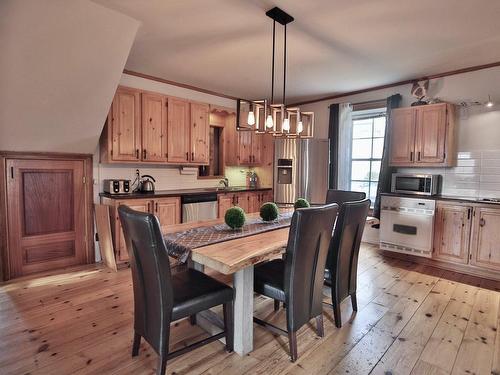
(59, 68)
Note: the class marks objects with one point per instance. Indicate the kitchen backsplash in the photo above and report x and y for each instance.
(477, 174)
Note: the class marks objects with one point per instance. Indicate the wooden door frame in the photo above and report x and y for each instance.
(89, 204)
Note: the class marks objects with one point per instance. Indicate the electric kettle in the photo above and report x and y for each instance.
(146, 185)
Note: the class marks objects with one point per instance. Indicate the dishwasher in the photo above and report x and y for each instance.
(196, 207)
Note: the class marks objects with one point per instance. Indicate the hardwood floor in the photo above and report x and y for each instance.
(412, 319)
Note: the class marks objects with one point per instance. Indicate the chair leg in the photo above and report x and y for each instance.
(162, 365)
(292, 338)
(136, 344)
(276, 305)
(319, 325)
(192, 319)
(227, 310)
(354, 302)
(336, 313)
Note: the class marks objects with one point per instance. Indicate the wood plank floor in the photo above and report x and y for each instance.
(412, 319)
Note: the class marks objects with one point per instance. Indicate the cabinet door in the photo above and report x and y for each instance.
(267, 196)
(199, 133)
(244, 147)
(486, 238)
(430, 133)
(154, 127)
(451, 233)
(230, 137)
(178, 130)
(254, 201)
(125, 125)
(168, 211)
(225, 202)
(256, 154)
(241, 200)
(142, 205)
(402, 136)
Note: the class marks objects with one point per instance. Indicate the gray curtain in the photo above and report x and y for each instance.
(333, 136)
(384, 180)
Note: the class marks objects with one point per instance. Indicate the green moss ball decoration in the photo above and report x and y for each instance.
(269, 211)
(301, 203)
(235, 217)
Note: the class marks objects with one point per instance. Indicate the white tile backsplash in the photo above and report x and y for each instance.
(477, 174)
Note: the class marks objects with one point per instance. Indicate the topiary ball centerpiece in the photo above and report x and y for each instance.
(301, 203)
(235, 217)
(269, 211)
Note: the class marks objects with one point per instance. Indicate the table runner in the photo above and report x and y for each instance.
(180, 244)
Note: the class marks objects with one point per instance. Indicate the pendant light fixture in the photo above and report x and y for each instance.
(270, 117)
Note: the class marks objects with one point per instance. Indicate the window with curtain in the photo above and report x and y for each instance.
(367, 142)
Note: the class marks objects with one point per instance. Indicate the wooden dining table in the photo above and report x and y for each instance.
(237, 257)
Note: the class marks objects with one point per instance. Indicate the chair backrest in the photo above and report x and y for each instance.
(342, 196)
(344, 249)
(152, 283)
(306, 252)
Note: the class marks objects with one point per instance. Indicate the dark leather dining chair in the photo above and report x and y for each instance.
(342, 196)
(342, 261)
(297, 280)
(161, 298)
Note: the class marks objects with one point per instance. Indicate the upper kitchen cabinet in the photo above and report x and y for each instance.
(200, 133)
(154, 127)
(121, 137)
(423, 136)
(178, 131)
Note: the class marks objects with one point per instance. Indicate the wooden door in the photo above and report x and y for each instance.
(256, 153)
(254, 201)
(178, 130)
(225, 201)
(126, 125)
(430, 133)
(199, 133)
(142, 205)
(486, 238)
(244, 147)
(402, 136)
(452, 233)
(154, 127)
(168, 211)
(47, 214)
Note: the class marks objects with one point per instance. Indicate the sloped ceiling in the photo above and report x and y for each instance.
(334, 46)
(60, 64)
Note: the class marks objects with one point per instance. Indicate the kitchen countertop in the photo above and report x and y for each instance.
(446, 198)
(181, 192)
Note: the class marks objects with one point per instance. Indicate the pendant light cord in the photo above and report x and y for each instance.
(284, 68)
(272, 74)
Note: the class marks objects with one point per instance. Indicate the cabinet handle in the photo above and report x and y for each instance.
(187, 156)
(137, 153)
(149, 210)
(418, 156)
(156, 206)
(468, 214)
(144, 153)
(192, 156)
(411, 155)
(482, 222)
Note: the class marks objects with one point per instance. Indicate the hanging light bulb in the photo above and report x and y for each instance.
(286, 125)
(300, 127)
(251, 118)
(489, 104)
(269, 122)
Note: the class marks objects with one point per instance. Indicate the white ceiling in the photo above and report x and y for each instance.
(334, 46)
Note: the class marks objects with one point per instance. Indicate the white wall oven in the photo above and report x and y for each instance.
(407, 225)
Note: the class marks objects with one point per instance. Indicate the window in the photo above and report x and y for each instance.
(368, 131)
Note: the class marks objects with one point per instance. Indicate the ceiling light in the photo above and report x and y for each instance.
(251, 118)
(489, 103)
(286, 125)
(300, 127)
(269, 122)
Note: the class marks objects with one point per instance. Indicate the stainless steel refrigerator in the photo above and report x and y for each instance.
(301, 170)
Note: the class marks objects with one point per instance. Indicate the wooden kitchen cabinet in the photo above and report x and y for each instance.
(249, 201)
(485, 245)
(168, 211)
(254, 201)
(178, 130)
(199, 140)
(452, 232)
(242, 147)
(154, 127)
(423, 136)
(121, 137)
(225, 201)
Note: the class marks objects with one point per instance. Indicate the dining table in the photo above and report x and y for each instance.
(237, 257)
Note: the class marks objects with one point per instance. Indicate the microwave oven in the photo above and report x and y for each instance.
(418, 184)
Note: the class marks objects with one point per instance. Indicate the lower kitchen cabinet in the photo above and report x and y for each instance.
(250, 202)
(451, 232)
(485, 244)
(168, 211)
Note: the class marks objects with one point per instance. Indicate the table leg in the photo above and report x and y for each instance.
(243, 311)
